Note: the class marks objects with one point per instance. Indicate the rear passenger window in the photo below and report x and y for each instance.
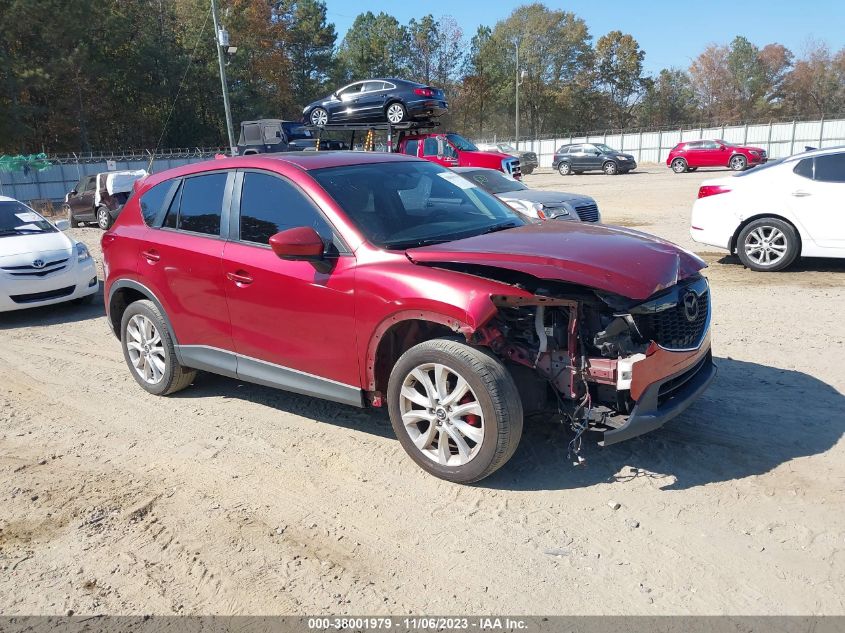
(830, 168)
(430, 146)
(202, 203)
(270, 204)
(804, 168)
(152, 200)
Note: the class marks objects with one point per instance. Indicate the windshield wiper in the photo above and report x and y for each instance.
(416, 243)
(499, 227)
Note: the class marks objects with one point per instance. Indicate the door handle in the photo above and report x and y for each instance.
(240, 277)
(151, 255)
(801, 194)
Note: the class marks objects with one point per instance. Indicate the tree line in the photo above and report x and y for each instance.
(119, 74)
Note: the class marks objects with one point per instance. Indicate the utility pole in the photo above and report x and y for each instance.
(520, 74)
(219, 35)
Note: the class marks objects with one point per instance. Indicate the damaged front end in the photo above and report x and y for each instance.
(602, 362)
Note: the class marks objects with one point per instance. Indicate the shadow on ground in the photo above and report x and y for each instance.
(752, 419)
(803, 265)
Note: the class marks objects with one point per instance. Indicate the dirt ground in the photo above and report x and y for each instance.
(233, 498)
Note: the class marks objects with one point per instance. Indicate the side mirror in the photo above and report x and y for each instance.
(302, 242)
(62, 225)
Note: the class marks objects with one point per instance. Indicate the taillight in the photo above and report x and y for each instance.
(712, 190)
(424, 92)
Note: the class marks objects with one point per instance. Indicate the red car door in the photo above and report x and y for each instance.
(291, 320)
(182, 262)
(431, 150)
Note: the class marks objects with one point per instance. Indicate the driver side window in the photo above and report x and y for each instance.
(270, 204)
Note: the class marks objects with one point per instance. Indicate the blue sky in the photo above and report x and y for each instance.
(671, 33)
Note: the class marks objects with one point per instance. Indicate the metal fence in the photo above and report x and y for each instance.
(53, 183)
(652, 146)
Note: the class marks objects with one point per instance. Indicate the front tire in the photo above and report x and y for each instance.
(455, 409)
(738, 162)
(104, 220)
(564, 169)
(319, 117)
(768, 245)
(610, 168)
(148, 349)
(679, 165)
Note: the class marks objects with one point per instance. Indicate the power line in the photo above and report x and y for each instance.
(182, 83)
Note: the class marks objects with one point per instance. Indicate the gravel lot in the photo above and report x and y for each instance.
(233, 498)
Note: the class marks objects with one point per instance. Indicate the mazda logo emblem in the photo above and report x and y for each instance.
(690, 302)
(38, 263)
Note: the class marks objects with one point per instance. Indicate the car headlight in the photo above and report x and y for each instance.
(620, 157)
(753, 153)
(82, 252)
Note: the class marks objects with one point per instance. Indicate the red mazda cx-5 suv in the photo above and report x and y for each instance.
(373, 279)
(691, 155)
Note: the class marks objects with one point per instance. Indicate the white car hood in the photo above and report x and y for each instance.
(21, 250)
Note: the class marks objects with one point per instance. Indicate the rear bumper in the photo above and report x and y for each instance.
(665, 399)
(427, 108)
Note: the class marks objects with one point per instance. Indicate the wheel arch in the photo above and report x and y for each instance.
(125, 292)
(759, 216)
(398, 333)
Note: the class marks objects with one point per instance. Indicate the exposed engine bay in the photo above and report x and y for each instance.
(581, 346)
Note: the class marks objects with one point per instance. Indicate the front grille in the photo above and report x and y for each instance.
(588, 212)
(32, 271)
(43, 296)
(512, 167)
(672, 329)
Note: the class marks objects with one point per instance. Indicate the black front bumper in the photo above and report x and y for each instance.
(664, 400)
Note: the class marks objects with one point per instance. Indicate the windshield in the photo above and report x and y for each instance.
(406, 204)
(493, 181)
(504, 147)
(605, 149)
(18, 219)
(726, 144)
(296, 132)
(461, 143)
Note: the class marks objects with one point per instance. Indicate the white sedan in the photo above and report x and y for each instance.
(40, 265)
(775, 213)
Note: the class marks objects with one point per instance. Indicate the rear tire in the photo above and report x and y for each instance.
(564, 169)
(143, 328)
(679, 165)
(468, 416)
(768, 245)
(395, 113)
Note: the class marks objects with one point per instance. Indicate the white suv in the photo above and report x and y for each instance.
(40, 265)
(772, 214)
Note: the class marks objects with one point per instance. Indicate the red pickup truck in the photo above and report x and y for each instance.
(452, 150)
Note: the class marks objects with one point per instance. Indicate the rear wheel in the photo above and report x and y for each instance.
(319, 117)
(738, 162)
(395, 113)
(610, 168)
(768, 245)
(564, 169)
(104, 220)
(149, 352)
(679, 165)
(455, 410)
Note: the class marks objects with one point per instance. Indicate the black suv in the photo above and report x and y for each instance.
(580, 157)
(267, 136)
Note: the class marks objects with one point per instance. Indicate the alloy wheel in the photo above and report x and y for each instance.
(737, 163)
(103, 218)
(395, 113)
(564, 169)
(146, 349)
(441, 414)
(766, 245)
(679, 166)
(319, 117)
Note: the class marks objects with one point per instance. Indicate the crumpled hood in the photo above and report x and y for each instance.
(34, 245)
(547, 197)
(612, 259)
